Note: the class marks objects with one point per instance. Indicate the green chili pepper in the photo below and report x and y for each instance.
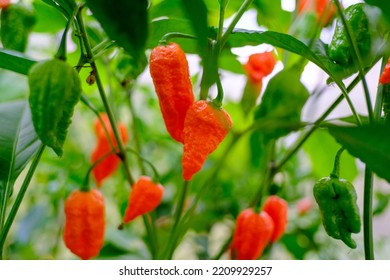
(340, 213)
(339, 49)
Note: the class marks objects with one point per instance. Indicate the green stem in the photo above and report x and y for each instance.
(142, 159)
(298, 144)
(336, 166)
(367, 214)
(224, 247)
(358, 59)
(235, 20)
(218, 100)
(222, 7)
(169, 36)
(19, 199)
(61, 53)
(176, 219)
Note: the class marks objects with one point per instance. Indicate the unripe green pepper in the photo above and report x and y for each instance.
(336, 199)
(339, 49)
(17, 20)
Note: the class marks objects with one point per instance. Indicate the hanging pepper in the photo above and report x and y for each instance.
(144, 197)
(205, 128)
(336, 199)
(110, 163)
(171, 79)
(84, 223)
(277, 209)
(339, 49)
(259, 65)
(252, 233)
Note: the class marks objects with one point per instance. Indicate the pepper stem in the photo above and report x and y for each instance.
(336, 167)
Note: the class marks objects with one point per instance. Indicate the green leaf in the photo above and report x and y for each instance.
(369, 143)
(48, 18)
(65, 7)
(15, 61)
(18, 144)
(322, 148)
(124, 21)
(316, 53)
(282, 102)
(197, 13)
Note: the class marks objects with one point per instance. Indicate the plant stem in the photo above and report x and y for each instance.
(179, 209)
(19, 199)
(235, 20)
(336, 167)
(122, 150)
(367, 214)
(298, 144)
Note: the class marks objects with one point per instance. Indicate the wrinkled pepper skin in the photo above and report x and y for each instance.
(84, 223)
(251, 235)
(144, 197)
(336, 199)
(171, 78)
(205, 128)
(339, 49)
(277, 209)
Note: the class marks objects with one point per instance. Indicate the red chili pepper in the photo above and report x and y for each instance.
(304, 205)
(277, 209)
(205, 128)
(259, 65)
(110, 163)
(171, 79)
(4, 3)
(251, 235)
(84, 223)
(385, 77)
(144, 197)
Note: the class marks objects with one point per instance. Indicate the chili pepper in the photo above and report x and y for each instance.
(336, 199)
(277, 209)
(171, 79)
(110, 163)
(386, 102)
(205, 128)
(259, 65)
(17, 21)
(144, 197)
(84, 223)
(55, 90)
(4, 3)
(319, 7)
(252, 233)
(339, 49)
(385, 77)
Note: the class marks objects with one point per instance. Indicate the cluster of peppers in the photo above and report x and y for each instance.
(85, 209)
(255, 230)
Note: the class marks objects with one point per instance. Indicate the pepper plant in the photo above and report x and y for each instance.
(135, 102)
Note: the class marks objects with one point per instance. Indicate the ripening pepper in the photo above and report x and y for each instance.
(205, 128)
(144, 197)
(259, 65)
(170, 74)
(110, 163)
(339, 49)
(84, 223)
(252, 233)
(277, 209)
(336, 199)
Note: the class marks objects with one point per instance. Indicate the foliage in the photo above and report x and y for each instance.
(273, 148)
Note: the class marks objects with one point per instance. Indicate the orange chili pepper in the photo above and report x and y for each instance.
(259, 65)
(251, 235)
(205, 128)
(84, 223)
(277, 209)
(171, 79)
(144, 197)
(111, 162)
(385, 77)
